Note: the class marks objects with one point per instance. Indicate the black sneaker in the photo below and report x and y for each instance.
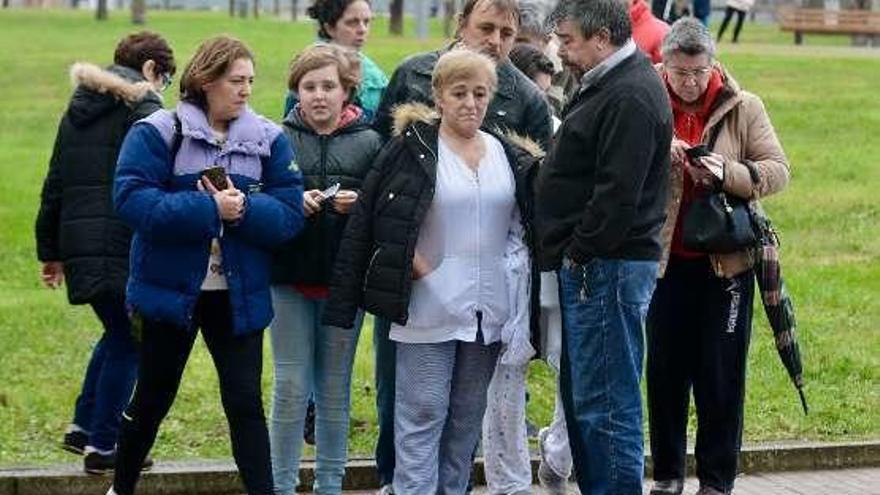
(667, 487)
(98, 463)
(309, 424)
(75, 442)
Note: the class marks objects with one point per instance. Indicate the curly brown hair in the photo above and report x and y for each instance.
(328, 12)
(212, 59)
(320, 55)
(136, 48)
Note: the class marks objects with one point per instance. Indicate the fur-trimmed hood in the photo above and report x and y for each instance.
(407, 114)
(99, 91)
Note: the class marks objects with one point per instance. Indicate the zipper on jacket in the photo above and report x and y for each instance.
(419, 137)
(370, 266)
(479, 253)
(322, 142)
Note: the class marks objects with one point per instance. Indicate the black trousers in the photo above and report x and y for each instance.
(728, 14)
(698, 332)
(165, 349)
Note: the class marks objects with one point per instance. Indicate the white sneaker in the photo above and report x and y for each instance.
(111, 491)
(386, 490)
(550, 481)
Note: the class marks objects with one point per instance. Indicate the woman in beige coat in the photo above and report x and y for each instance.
(699, 321)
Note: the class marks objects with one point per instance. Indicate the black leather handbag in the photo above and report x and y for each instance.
(717, 222)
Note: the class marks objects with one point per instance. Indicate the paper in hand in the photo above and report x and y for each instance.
(330, 191)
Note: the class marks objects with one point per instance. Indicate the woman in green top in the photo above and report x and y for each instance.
(347, 23)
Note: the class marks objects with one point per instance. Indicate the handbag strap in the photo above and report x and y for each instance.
(710, 145)
(713, 136)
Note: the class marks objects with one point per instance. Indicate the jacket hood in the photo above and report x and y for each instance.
(99, 91)
(408, 114)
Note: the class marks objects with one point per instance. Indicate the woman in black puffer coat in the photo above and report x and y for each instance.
(79, 236)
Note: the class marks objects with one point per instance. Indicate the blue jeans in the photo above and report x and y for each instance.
(604, 304)
(309, 359)
(385, 352)
(110, 377)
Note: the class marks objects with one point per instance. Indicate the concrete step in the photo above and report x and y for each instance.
(221, 477)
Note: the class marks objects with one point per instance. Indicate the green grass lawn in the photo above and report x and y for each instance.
(823, 104)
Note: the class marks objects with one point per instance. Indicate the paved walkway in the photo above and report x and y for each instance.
(839, 482)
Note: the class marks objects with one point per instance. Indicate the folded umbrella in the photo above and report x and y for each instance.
(777, 303)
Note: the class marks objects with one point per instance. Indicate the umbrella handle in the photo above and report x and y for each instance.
(803, 401)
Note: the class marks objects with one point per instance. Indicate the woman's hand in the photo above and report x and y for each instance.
(420, 268)
(344, 201)
(703, 175)
(676, 152)
(312, 201)
(52, 274)
(230, 201)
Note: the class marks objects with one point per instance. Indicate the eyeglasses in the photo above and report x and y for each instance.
(167, 79)
(698, 73)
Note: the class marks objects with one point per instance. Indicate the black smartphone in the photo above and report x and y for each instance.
(217, 176)
(697, 151)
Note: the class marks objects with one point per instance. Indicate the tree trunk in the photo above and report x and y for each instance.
(449, 8)
(138, 12)
(5, 3)
(101, 13)
(231, 8)
(276, 7)
(395, 25)
(256, 9)
(294, 10)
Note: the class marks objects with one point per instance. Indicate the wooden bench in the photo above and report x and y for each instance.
(823, 21)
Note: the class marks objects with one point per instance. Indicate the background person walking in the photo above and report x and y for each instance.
(740, 8)
(82, 241)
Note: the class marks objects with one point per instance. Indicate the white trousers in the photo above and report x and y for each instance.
(555, 451)
(505, 443)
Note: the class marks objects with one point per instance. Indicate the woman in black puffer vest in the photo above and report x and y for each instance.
(79, 236)
(333, 144)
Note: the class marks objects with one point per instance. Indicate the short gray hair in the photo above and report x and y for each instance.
(689, 37)
(533, 16)
(594, 15)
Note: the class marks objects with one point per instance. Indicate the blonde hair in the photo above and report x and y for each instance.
(212, 59)
(320, 55)
(462, 63)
